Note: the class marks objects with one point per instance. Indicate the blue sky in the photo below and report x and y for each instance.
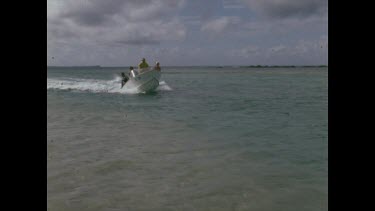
(187, 32)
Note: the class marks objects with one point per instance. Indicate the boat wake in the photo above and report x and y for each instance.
(98, 86)
(163, 87)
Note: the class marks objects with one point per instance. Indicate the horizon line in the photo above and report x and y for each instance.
(196, 66)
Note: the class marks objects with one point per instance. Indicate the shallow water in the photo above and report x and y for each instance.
(207, 139)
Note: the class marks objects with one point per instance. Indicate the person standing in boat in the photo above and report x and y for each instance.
(143, 64)
(157, 67)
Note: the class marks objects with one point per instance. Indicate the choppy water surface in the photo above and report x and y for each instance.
(207, 139)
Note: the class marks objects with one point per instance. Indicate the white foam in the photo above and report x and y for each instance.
(98, 86)
(164, 86)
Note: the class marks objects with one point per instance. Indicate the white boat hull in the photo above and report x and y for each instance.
(145, 80)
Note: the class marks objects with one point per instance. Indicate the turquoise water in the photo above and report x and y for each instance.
(207, 139)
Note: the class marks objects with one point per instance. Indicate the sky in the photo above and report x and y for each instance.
(187, 32)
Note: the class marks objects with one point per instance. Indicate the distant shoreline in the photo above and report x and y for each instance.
(209, 66)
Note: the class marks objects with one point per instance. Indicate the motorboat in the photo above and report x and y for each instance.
(144, 80)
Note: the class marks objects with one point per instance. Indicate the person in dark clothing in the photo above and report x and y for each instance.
(125, 78)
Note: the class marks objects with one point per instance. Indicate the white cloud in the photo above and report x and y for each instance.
(115, 32)
(278, 49)
(232, 4)
(313, 52)
(288, 8)
(220, 24)
(97, 31)
(193, 20)
(130, 22)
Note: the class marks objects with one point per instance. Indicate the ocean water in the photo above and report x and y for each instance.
(208, 139)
